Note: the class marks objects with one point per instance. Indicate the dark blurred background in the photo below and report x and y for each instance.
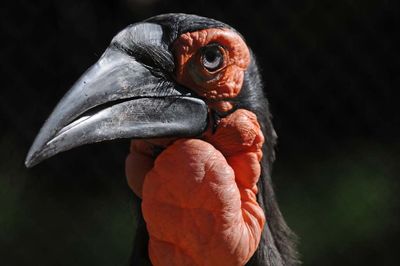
(331, 74)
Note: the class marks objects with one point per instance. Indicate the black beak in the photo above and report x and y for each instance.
(120, 97)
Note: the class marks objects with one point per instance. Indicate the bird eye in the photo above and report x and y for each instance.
(212, 57)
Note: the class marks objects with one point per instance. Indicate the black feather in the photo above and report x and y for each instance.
(175, 24)
(140, 252)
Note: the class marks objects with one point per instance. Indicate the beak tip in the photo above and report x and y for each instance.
(33, 158)
(30, 161)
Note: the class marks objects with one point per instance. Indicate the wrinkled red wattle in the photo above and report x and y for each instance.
(199, 196)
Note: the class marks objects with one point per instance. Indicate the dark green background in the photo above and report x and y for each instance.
(331, 74)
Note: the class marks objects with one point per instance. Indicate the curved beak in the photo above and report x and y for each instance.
(118, 97)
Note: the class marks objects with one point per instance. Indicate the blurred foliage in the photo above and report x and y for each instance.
(343, 205)
(331, 74)
(61, 226)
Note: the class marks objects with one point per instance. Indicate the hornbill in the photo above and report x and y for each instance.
(187, 91)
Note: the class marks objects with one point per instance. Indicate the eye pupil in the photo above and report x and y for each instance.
(212, 58)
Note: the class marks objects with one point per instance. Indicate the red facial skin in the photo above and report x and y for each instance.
(218, 85)
(199, 195)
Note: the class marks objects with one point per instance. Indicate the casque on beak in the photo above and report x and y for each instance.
(125, 94)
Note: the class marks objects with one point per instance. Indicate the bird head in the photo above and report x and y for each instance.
(172, 75)
(162, 77)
